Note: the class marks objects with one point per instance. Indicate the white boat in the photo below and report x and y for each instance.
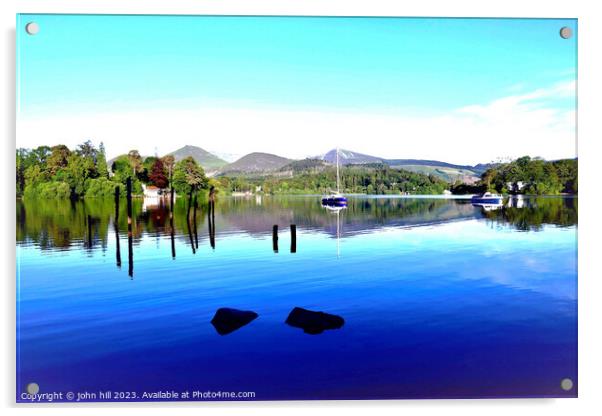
(336, 199)
(487, 199)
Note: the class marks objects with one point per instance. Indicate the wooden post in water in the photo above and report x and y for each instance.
(212, 234)
(171, 226)
(196, 235)
(188, 220)
(293, 238)
(190, 235)
(116, 227)
(211, 216)
(128, 184)
(189, 205)
(89, 232)
(211, 223)
(117, 195)
(275, 238)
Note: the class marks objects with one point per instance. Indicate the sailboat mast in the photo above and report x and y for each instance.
(338, 190)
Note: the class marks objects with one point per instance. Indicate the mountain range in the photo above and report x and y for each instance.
(446, 171)
(258, 164)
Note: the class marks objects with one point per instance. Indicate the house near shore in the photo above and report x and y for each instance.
(151, 191)
(515, 186)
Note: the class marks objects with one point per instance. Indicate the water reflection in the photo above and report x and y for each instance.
(64, 225)
(336, 210)
(409, 282)
(488, 207)
(531, 214)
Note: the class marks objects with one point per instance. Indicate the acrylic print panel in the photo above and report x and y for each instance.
(292, 208)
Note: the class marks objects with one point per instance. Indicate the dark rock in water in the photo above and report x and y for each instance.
(313, 322)
(228, 320)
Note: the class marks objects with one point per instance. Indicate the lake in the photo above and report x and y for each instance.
(439, 298)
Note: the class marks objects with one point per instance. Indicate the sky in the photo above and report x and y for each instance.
(463, 91)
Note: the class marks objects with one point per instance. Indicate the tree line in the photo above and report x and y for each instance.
(364, 179)
(525, 175)
(59, 172)
(528, 176)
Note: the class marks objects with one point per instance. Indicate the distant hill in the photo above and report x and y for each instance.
(482, 167)
(306, 165)
(425, 162)
(348, 157)
(257, 164)
(448, 174)
(254, 163)
(446, 171)
(207, 160)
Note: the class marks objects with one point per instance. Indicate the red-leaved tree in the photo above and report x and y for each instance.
(157, 175)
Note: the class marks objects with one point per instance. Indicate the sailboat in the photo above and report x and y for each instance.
(335, 199)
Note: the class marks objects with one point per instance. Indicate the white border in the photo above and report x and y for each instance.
(590, 135)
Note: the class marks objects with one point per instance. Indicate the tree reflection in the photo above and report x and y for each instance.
(63, 224)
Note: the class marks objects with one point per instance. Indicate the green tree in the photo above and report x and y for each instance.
(21, 164)
(122, 170)
(147, 167)
(135, 163)
(87, 149)
(58, 158)
(39, 156)
(34, 175)
(188, 176)
(103, 187)
(531, 176)
(77, 173)
(101, 162)
(168, 163)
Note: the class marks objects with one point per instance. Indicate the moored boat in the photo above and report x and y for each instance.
(487, 198)
(335, 199)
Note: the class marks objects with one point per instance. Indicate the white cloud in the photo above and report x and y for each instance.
(512, 126)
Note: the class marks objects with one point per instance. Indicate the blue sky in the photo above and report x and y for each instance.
(192, 71)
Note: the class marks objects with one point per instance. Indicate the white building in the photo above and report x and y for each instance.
(151, 191)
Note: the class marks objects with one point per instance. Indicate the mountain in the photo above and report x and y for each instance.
(424, 162)
(306, 165)
(255, 163)
(207, 160)
(347, 157)
(482, 167)
(446, 171)
(265, 163)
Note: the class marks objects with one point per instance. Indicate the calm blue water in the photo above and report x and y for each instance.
(441, 299)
